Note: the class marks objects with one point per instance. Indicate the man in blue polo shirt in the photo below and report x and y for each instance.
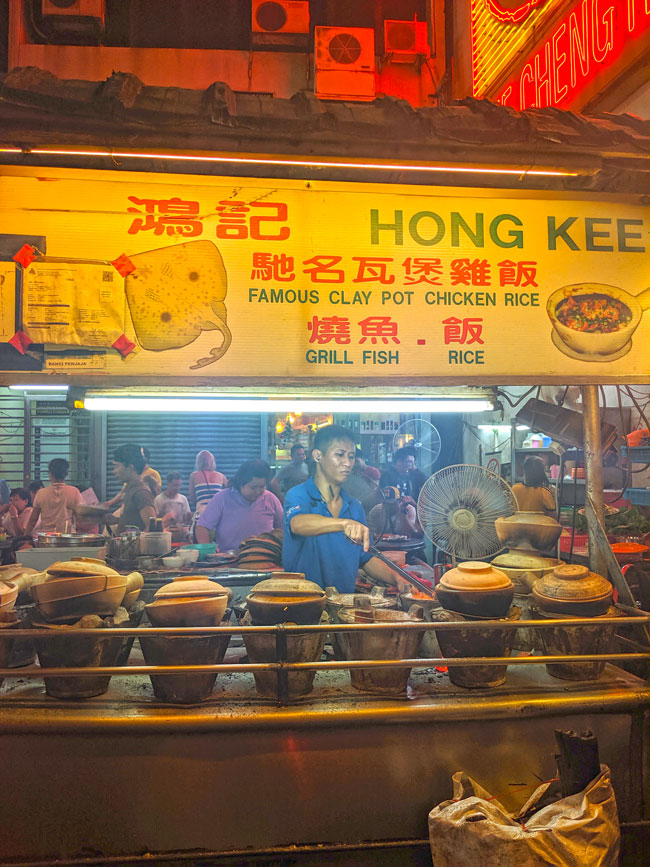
(324, 532)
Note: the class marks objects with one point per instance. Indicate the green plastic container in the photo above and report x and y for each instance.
(204, 549)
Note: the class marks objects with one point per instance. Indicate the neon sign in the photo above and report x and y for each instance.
(589, 39)
(513, 11)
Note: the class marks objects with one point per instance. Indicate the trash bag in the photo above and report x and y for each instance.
(579, 831)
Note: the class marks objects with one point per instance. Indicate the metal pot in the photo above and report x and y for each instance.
(70, 540)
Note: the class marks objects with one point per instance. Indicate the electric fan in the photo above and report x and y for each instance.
(457, 508)
(371, 498)
(422, 437)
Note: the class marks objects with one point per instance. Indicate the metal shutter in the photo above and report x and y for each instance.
(174, 439)
(12, 437)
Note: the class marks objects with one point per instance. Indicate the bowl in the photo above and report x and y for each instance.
(204, 549)
(188, 611)
(175, 561)
(595, 344)
(189, 555)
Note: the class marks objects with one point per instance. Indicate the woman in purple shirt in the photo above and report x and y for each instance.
(243, 509)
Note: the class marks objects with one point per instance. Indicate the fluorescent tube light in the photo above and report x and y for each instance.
(137, 403)
(298, 162)
(502, 428)
(38, 387)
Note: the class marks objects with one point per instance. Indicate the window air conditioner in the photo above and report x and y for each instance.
(95, 9)
(344, 58)
(280, 23)
(406, 41)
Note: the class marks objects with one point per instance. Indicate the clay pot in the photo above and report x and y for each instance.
(476, 588)
(593, 637)
(181, 650)
(336, 601)
(574, 591)
(79, 651)
(286, 598)
(490, 641)
(530, 531)
(387, 644)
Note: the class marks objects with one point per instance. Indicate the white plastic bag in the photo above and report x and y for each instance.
(579, 831)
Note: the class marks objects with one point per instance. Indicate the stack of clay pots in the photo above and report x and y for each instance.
(189, 600)
(286, 598)
(83, 594)
(476, 591)
(573, 591)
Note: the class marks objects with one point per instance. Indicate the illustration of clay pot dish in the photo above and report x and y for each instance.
(175, 293)
(594, 321)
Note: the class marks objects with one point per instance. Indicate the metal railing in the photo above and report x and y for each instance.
(282, 666)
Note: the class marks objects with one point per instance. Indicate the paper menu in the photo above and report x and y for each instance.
(73, 302)
(7, 300)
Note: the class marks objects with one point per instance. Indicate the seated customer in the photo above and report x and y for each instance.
(20, 509)
(244, 509)
(137, 501)
(171, 505)
(535, 494)
(55, 504)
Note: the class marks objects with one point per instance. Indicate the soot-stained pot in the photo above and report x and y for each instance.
(289, 598)
(476, 588)
(572, 589)
(531, 531)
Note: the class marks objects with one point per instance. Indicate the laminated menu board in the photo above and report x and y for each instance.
(73, 302)
(7, 300)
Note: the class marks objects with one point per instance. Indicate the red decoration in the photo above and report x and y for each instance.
(123, 345)
(123, 265)
(513, 11)
(25, 256)
(21, 341)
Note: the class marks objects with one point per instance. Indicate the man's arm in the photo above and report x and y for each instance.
(202, 534)
(377, 569)
(147, 512)
(319, 525)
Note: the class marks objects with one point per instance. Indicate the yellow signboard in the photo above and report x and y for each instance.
(288, 279)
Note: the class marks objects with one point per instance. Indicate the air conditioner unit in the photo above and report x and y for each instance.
(344, 58)
(406, 41)
(95, 9)
(280, 23)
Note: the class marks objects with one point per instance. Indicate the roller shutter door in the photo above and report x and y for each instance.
(174, 439)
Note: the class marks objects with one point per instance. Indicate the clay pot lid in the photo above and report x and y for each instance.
(475, 575)
(515, 559)
(574, 583)
(292, 584)
(190, 585)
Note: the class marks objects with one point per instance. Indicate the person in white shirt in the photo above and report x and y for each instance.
(171, 505)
